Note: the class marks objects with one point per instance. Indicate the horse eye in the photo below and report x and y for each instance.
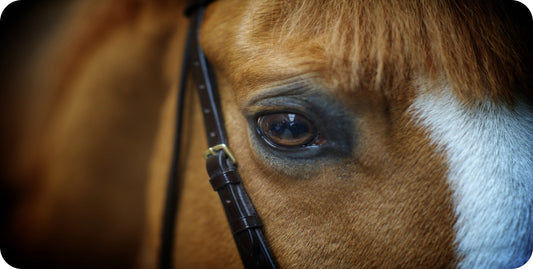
(287, 130)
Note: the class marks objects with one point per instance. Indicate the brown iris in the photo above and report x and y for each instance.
(287, 129)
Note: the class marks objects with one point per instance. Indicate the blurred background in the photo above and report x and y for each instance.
(81, 87)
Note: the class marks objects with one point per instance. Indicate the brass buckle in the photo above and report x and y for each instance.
(214, 149)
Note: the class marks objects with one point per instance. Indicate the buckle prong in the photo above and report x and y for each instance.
(214, 149)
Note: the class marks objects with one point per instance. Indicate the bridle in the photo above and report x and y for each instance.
(221, 165)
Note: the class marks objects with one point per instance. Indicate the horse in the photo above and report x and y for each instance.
(368, 134)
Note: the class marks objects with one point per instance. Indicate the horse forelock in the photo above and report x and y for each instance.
(476, 47)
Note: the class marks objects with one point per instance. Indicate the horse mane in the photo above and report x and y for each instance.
(478, 47)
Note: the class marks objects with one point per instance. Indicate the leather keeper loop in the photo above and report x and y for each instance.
(221, 180)
(244, 223)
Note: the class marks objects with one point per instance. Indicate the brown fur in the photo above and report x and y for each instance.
(353, 213)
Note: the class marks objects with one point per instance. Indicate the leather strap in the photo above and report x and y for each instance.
(240, 212)
(206, 86)
(242, 217)
(238, 206)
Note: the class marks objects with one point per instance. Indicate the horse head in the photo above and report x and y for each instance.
(369, 134)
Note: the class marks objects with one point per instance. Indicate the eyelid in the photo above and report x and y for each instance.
(273, 107)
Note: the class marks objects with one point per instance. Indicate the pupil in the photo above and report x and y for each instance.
(287, 129)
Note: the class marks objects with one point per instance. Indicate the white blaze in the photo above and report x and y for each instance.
(489, 150)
